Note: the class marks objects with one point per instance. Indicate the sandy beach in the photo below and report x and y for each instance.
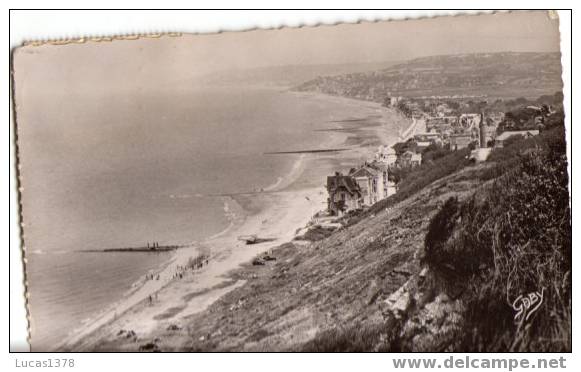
(275, 214)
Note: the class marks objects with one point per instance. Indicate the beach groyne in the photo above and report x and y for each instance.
(278, 212)
(142, 249)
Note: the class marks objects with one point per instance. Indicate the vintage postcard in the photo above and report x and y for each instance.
(394, 186)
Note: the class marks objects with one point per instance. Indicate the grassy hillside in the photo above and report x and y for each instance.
(499, 75)
(512, 239)
(504, 232)
(434, 268)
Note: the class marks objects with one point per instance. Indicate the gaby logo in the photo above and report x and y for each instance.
(525, 306)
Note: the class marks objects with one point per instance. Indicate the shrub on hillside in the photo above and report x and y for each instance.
(513, 239)
(440, 229)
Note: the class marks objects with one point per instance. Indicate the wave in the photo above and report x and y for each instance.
(183, 196)
(230, 214)
(290, 177)
(43, 252)
(274, 185)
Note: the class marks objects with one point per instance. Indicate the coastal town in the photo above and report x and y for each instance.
(439, 125)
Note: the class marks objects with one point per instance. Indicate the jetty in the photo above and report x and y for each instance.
(154, 247)
(314, 151)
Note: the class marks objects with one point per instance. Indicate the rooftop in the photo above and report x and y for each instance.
(338, 181)
(509, 134)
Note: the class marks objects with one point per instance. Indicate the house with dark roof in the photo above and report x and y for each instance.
(401, 147)
(344, 194)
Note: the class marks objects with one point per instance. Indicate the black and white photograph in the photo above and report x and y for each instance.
(391, 186)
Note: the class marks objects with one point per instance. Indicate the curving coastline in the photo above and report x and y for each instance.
(276, 213)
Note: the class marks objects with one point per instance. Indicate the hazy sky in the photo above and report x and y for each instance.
(141, 64)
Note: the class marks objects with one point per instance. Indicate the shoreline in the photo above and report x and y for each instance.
(222, 260)
(281, 211)
(277, 220)
(386, 114)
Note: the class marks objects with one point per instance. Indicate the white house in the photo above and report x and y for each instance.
(373, 181)
(500, 141)
(386, 154)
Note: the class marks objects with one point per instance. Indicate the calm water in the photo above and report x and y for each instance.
(122, 171)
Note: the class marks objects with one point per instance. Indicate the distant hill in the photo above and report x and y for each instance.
(289, 75)
(500, 75)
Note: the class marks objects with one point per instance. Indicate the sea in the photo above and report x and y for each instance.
(123, 170)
